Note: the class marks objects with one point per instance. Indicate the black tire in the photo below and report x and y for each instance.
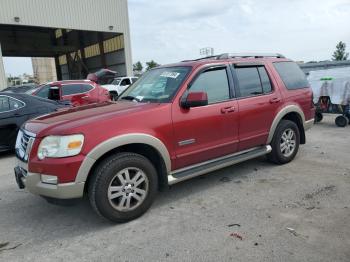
(341, 121)
(106, 172)
(114, 96)
(318, 117)
(276, 155)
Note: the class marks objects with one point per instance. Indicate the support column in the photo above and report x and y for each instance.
(3, 80)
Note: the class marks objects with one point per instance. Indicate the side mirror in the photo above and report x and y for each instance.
(194, 99)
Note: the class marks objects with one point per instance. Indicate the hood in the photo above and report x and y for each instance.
(68, 119)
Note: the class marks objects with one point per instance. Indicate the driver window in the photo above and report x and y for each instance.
(125, 82)
(215, 83)
(44, 92)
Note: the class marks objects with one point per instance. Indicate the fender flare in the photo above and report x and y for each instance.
(115, 142)
(284, 111)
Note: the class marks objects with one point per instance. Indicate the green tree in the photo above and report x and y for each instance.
(137, 67)
(340, 54)
(151, 64)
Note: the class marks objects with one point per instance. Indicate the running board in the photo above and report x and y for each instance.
(215, 164)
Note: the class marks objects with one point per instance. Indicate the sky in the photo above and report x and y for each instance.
(170, 31)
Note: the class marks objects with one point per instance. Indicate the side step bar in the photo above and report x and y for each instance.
(215, 164)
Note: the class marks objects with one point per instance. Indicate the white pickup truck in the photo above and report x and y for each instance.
(118, 85)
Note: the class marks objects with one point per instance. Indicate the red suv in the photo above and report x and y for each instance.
(78, 92)
(176, 122)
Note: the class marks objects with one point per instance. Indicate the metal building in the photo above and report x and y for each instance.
(82, 35)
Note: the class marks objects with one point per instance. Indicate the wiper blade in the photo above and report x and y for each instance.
(130, 98)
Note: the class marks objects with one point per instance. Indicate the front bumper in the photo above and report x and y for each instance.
(32, 182)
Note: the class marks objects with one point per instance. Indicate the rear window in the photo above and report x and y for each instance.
(75, 89)
(291, 75)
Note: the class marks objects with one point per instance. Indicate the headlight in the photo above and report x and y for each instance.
(60, 146)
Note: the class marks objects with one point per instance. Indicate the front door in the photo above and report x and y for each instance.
(206, 132)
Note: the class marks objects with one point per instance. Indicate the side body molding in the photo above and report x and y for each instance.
(114, 142)
(280, 115)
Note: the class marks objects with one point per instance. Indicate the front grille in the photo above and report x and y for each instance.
(24, 144)
(24, 141)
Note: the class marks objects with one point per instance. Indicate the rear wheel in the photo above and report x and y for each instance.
(285, 142)
(341, 121)
(123, 187)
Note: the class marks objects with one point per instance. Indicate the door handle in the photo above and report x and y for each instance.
(228, 109)
(275, 100)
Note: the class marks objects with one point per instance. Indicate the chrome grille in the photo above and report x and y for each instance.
(24, 144)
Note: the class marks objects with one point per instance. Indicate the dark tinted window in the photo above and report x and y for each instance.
(291, 74)
(249, 81)
(265, 80)
(4, 104)
(44, 91)
(214, 83)
(15, 104)
(75, 89)
(125, 82)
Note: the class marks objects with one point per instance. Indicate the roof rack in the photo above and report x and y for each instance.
(246, 55)
(238, 55)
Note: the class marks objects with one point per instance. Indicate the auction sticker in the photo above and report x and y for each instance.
(170, 74)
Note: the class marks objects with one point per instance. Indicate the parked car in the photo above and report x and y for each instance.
(15, 109)
(21, 89)
(118, 85)
(109, 80)
(78, 92)
(176, 122)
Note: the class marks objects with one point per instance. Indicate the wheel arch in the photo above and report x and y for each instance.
(148, 146)
(292, 113)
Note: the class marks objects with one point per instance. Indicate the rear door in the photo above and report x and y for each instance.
(207, 132)
(258, 103)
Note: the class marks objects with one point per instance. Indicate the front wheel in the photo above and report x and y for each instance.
(123, 187)
(285, 142)
(113, 96)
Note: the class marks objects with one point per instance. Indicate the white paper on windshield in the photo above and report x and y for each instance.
(140, 98)
(170, 74)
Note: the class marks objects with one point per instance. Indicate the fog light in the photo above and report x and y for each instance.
(49, 179)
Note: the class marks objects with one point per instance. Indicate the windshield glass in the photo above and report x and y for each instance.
(158, 85)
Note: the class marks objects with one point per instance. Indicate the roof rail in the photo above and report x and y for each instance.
(245, 55)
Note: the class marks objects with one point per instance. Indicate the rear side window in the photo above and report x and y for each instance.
(4, 104)
(291, 75)
(15, 104)
(9, 104)
(253, 80)
(265, 80)
(215, 83)
(249, 81)
(75, 89)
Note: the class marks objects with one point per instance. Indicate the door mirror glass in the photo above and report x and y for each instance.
(194, 99)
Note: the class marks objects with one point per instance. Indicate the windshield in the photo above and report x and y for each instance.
(158, 85)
